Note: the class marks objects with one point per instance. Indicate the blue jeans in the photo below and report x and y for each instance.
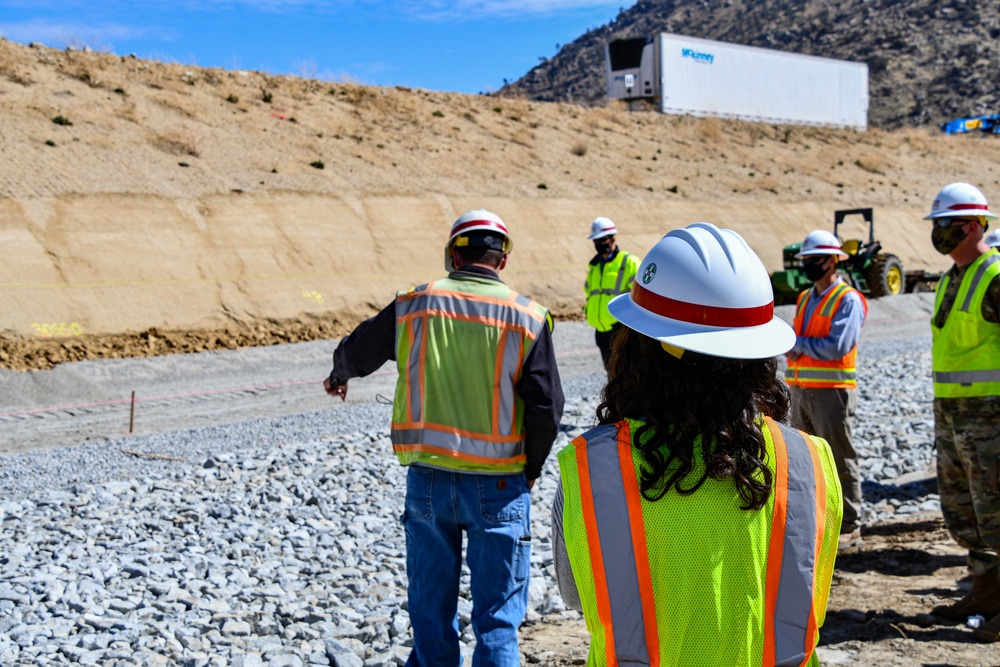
(494, 511)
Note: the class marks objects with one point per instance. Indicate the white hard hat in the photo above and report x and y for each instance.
(703, 289)
(602, 227)
(480, 220)
(821, 242)
(993, 239)
(960, 199)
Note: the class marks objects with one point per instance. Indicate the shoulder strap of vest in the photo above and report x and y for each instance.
(828, 306)
(985, 264)
(797, 529)
(801, 303)
(616, 537)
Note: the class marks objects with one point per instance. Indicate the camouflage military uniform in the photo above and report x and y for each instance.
(967, 438)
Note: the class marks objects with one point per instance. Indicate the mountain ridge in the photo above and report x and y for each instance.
(928, 62)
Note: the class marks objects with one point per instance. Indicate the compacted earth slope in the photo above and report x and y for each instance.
(150, 207)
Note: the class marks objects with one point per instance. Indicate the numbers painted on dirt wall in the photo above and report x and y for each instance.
(313, 296)
(57, 330)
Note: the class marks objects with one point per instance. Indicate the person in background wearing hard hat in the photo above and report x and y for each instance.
(821, 366)
(477, 407)
(965, 331)
(609, 274)
(993, 239)
(691, 527)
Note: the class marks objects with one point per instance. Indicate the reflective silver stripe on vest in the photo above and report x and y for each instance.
(508, 379)
(976, 279)
(966, 378)
(456, 442)
(617, 289)
(615, 534)
(832, 299)
(833, 374)
(523, 300)
(413, 369)
(621, 273)
(798, 564)
(469, 307)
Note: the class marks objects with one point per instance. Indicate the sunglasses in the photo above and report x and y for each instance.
(943, 223)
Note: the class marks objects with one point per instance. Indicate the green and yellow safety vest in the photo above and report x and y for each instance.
(693, 579)
(966, 350)
(604, 282)
(460, 346)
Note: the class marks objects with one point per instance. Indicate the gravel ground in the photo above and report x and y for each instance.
(276, 540)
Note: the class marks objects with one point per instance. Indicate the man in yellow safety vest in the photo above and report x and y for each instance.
(821, 366)
(610, 273)
(965, 330)
(691, 527)
(477, 407)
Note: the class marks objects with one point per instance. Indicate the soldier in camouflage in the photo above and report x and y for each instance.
(966, 357)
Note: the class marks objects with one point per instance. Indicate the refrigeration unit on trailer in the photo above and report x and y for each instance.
(687, 75)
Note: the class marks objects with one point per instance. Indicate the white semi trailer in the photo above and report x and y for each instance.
(691, 76)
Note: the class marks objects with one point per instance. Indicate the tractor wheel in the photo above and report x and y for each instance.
(885, 276)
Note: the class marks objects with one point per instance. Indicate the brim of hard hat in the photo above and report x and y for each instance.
(601, 235)
(963, 214)
(756, 342)
(841, 254)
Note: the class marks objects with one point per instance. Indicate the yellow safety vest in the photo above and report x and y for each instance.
(604, 282)
(460, 346)
(693, 579)
(966, 350)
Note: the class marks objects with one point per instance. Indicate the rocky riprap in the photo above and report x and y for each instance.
(278, 542)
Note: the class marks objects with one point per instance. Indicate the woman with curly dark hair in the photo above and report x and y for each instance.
(691, 527)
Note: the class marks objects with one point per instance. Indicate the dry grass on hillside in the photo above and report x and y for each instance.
(131, 120)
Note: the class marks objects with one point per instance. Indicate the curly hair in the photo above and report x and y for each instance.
(698, 400)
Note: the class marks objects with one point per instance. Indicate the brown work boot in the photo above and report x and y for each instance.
(983, 599)
(988, 631)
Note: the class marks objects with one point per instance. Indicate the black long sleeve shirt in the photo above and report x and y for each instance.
(373, 343)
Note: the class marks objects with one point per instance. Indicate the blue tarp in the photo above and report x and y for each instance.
(989, 124)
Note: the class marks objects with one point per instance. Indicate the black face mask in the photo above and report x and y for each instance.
(602, 246)
(946, 239)
(814, 270)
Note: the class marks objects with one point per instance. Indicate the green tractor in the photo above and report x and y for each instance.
(868, 269)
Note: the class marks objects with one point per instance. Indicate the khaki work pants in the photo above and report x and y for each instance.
(828, 414)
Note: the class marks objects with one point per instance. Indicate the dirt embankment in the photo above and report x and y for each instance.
(205, 207)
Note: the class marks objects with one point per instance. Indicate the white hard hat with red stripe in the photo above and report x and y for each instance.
(703, 289)
(602, 227)
(821, 242)
(479, 220)
(960, 200)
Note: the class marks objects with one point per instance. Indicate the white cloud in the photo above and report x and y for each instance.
(69, 33)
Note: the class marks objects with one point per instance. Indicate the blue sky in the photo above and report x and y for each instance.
(467, 46)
